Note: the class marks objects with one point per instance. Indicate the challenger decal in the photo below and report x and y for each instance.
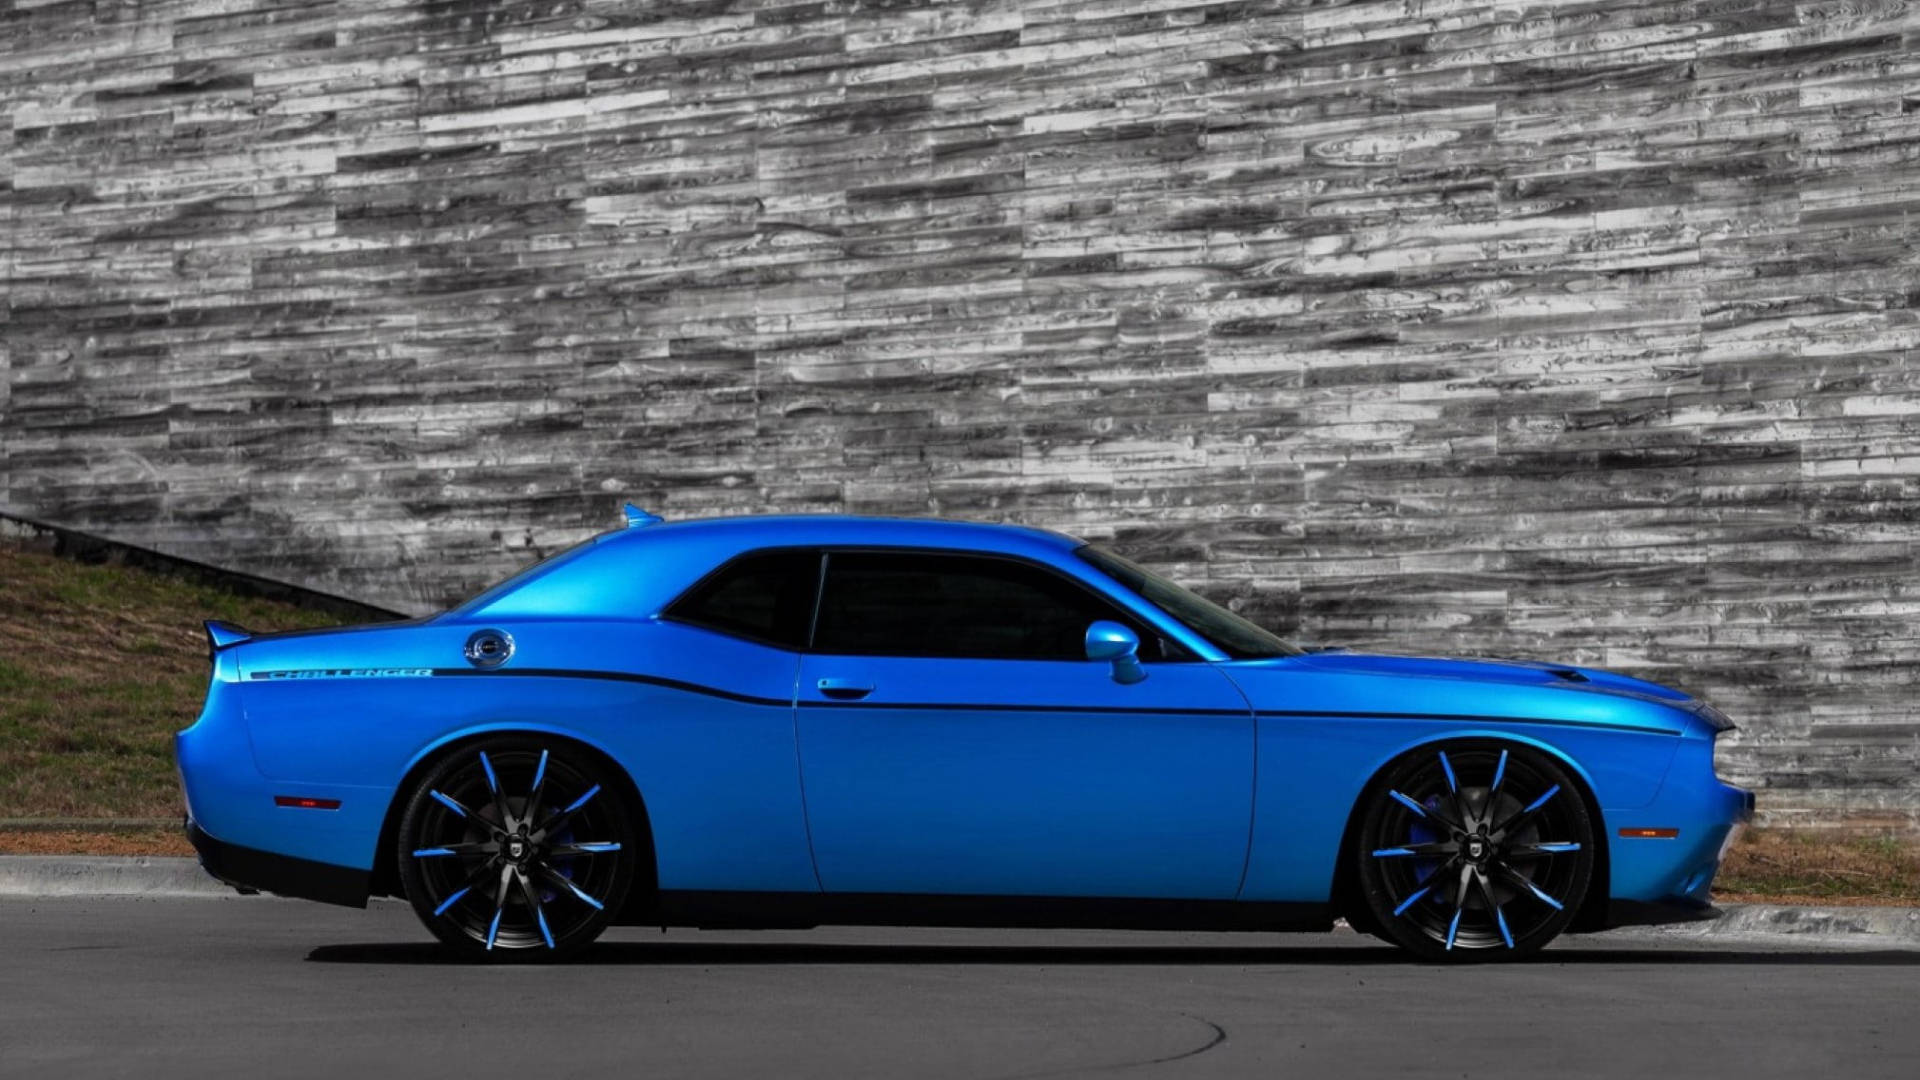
(347, 673)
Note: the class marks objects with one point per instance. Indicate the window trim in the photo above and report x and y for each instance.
(1130, 618)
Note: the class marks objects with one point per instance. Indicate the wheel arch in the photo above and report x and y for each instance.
(386, 863)
(1347, 901)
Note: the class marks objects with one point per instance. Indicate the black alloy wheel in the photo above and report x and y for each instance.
(1475, 851)
(516, 849)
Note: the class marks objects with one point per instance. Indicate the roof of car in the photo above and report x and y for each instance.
(758, 529)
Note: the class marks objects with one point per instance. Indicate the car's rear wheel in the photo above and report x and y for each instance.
(1475, 850)
(517, 848)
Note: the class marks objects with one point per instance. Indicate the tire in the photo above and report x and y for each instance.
(516, 848)
(1474, 850)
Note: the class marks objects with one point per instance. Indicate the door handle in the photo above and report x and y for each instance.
(845, 689)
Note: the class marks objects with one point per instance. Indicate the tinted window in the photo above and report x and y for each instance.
(954, 605)
(1235, 636)
(767, 597)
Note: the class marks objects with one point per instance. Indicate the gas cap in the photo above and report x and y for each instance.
(489, 648)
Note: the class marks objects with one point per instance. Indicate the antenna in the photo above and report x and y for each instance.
(638, 518)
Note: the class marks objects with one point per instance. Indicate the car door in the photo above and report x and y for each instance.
(954, 739)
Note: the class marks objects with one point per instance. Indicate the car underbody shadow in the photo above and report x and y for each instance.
(1356, 953)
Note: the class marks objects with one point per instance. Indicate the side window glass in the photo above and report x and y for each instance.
(767, 597)
(928, 604)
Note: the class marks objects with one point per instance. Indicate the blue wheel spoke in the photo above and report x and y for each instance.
(561, 851)
(1535, 889)
(477, 847)
(1522, 815)
(1434, 850)
(1446, 766)
(1453, 928)
(1526, 883)
(1535, 851)
(499, 797)
(452, 804)
(1403, 800)
(499, 905)
(1499, 772)
(532, 809)
(450, 901)
(1485, 885)
(532, 896)
(564, 882)
(552, 824)
(595, 790)
(1409, 901)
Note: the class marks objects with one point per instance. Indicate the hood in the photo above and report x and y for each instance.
(1426, 687)
(1500, 672)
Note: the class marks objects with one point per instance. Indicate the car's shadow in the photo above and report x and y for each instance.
(668, 953)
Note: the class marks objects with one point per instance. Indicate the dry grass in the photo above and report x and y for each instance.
(99, 666)
(94, 842)
(1806, 866)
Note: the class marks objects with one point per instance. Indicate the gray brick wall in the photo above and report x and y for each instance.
(1582, 331)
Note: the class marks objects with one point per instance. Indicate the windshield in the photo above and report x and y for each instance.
(1231, 634)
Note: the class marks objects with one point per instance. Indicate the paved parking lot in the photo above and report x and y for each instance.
(161, 988)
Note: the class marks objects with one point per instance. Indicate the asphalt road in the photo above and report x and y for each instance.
(204, 988)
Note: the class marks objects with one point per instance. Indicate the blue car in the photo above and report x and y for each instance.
(796, 721)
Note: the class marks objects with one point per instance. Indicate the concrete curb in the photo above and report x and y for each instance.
(1880, 927)
(49, 876)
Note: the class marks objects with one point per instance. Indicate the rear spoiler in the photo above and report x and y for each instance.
(221, 635)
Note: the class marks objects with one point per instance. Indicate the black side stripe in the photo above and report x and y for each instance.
(948, 706)
(612, 676)
(750, 699)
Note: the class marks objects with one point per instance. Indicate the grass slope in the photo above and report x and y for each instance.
(99, 666)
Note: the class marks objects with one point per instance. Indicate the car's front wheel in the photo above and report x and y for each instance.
(516, 848)
(1475, 851)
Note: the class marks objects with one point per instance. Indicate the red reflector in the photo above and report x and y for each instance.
(1650, 834)
(301, 802)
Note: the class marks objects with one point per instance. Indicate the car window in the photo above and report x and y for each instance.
(766, 596)
(1231, 634)
(929, 604)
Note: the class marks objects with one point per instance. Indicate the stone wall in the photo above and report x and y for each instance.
(1571, 330)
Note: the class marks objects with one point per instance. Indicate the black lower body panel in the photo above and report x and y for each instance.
(800, 911)
(250, 869)
(1650, 913)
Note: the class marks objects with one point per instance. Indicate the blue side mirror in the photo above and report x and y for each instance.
(1118, 645)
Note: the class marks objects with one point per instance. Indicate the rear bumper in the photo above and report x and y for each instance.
(252, 870)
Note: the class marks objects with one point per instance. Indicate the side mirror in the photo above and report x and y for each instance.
(1115, 643)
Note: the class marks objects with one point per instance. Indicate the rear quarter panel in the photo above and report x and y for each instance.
(353, 712)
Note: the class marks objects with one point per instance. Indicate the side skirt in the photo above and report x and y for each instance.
(802, 911)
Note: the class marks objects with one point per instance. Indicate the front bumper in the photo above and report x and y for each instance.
(252, 870)
(1670, 879)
